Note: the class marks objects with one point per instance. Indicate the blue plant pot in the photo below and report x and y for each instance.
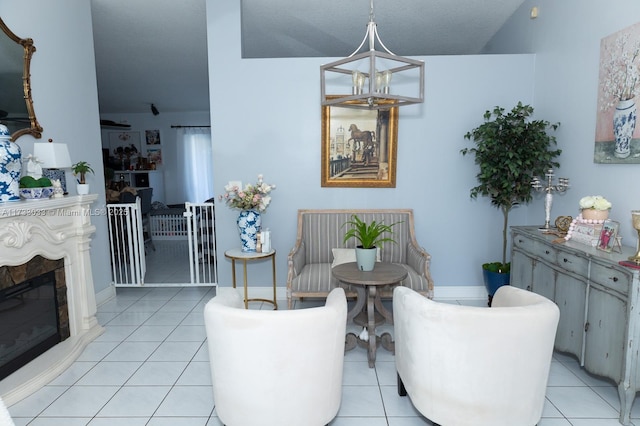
(494, 280)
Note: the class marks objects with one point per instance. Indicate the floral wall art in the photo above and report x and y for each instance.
(617, 139)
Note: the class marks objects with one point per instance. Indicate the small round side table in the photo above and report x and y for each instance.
(237, 254)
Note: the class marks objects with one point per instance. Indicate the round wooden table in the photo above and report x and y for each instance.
(365, 283)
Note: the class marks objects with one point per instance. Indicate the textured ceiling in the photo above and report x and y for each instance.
(155, 51)
(293, 28)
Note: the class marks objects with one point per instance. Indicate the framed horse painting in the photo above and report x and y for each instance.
(359, 147)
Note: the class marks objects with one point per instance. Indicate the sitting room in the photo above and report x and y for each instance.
(139, 355)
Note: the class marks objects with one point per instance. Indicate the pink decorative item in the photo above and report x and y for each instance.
(593, 214)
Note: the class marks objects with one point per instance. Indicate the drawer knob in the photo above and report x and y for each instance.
(614, 279)
(546, 252)
(565, 260)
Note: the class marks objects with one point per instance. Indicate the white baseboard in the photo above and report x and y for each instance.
(453, 292)
(458, 292)
(105, 295)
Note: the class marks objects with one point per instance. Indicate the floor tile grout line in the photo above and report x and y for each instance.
(563, 362)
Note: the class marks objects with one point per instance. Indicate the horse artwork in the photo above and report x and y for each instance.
(359, 147)
(361, 138)
(364, 144)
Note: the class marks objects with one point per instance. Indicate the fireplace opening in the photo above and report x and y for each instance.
(33, 316)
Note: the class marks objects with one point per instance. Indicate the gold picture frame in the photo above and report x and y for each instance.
(359, 147)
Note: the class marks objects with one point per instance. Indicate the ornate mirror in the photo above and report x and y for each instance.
(16, 105)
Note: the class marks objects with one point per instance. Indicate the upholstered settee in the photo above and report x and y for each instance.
(321, 231)
(471, 365)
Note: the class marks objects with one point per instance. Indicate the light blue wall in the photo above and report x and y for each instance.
(65, 97)
(566, 39)
(266, 119)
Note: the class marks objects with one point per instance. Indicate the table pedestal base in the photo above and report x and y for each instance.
(369, 310)
(374, 341)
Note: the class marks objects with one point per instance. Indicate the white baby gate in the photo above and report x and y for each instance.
(126, 236)
(201, 234)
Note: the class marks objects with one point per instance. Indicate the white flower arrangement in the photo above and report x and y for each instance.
(252, 197)
(621, 71)
(596, 202)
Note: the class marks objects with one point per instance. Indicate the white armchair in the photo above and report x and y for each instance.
(476, 366)
(276, 367)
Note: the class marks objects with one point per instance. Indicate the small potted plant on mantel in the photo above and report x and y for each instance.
(81, 168)
(510, 150)
(370, 236)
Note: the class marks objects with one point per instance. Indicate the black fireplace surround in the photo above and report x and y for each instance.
(33, 311)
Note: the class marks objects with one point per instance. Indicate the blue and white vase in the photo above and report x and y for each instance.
(624, 123)
(10, 167)
(249, 223)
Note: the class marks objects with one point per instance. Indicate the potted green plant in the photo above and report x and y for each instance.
(31, 187)
(81, 168)
(370, 236)
(510, 150)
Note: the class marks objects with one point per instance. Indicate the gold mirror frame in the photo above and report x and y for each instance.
(35, 130)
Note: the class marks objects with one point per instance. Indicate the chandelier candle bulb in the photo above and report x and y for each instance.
(358, 82)
(386, 81)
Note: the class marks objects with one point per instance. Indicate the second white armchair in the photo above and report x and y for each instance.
(475, 366)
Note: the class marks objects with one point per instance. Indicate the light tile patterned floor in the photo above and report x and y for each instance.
(150, 367)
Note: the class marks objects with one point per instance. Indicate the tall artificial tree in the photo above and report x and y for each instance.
(511, 149)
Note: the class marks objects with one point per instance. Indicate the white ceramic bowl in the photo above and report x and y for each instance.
(36, 193)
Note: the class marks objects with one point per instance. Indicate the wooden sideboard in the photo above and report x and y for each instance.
(598, 301)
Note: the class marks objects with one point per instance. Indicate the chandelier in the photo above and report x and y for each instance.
(376, 79)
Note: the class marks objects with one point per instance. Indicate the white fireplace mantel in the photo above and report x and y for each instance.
(54, 228)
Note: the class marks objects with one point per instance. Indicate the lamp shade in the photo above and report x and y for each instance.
(52, 155)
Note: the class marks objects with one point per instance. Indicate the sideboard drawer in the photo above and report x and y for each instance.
(610, 277)
(535, 248)
(545, 251)
(572, 263)
(523, 242)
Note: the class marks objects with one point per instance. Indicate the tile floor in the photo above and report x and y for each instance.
(150, 367)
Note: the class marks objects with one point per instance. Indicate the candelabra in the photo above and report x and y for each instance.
(562, 186)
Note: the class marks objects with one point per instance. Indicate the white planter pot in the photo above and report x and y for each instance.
(366, 258)
(82, 188)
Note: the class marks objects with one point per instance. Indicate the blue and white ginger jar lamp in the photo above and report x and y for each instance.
(10, 167)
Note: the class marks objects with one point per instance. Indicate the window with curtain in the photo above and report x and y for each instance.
(196, 160)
